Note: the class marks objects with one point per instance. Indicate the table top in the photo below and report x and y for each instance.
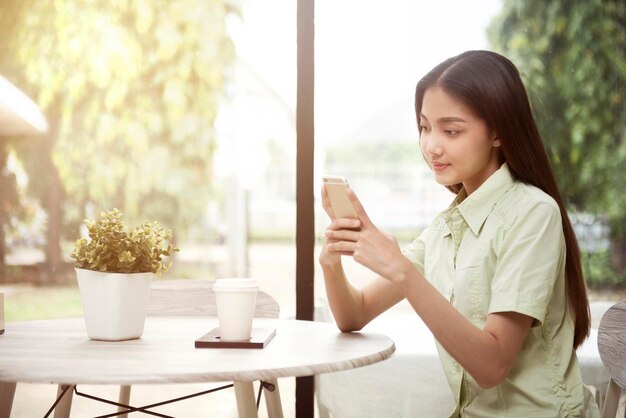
(59, 351)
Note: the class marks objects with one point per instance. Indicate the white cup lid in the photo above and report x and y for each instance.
(236, 283)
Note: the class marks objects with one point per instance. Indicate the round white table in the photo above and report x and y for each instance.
(59, 351)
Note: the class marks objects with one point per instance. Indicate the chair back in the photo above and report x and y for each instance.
(612, 348)
(195, 297)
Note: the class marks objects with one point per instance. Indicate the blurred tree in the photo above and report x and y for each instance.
(130, 90)
(571, 56)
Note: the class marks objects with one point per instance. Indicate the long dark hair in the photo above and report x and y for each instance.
(490, 86)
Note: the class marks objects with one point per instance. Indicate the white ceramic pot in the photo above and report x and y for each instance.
(114, 304)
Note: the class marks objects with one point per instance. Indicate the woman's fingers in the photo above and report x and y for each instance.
(360, 211)
(342, 235)
(344, 223)
(342, 247)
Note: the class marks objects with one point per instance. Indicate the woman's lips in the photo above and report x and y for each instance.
(439, 166)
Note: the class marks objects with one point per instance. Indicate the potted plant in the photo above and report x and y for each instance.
(114, 268)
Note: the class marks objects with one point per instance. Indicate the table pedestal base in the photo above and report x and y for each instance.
(244, 393)
(272, 400)
(124, 398)
(64, 406)
(247, 408)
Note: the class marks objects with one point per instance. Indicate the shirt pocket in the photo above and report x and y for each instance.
(472, 293)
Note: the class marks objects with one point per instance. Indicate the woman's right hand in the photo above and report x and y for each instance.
(330, 258)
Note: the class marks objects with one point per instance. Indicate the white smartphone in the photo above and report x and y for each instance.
(336, 189)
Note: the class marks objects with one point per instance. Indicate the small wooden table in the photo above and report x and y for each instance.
(59, 351)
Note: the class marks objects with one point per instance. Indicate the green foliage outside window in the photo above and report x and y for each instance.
(130, 91)
(571, 57)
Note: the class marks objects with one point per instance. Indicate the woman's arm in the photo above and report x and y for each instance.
(352, 308)
(487, 354)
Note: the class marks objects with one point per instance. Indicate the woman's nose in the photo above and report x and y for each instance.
(433, 146)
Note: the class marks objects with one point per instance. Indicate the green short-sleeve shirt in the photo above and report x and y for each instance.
(502, 249)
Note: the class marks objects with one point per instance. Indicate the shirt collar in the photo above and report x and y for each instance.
(476, 207)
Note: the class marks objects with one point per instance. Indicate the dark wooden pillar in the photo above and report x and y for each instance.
(305, 221)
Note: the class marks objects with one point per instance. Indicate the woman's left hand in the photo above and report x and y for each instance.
(370, 246)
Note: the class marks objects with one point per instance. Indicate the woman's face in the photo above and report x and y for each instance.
(457, 145)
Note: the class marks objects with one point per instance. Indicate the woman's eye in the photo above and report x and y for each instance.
(452, 132)
(424, 128)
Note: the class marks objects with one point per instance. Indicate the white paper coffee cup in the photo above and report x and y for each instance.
(235, 299)
(1, 313)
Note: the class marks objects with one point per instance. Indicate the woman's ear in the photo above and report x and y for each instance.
(496, 140)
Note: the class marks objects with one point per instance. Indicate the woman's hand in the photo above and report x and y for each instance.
(368, 245)
(352, 308)
(329, 258)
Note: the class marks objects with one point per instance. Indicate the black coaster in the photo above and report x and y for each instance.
(260, 338)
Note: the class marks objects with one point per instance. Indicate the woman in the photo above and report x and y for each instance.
(497, 276)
